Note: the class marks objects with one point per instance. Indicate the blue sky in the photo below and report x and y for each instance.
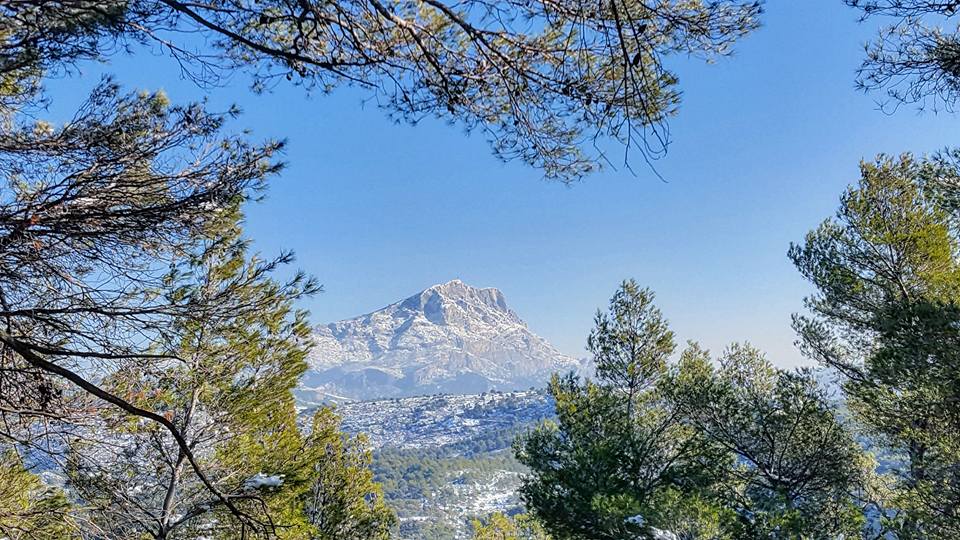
(763, 146)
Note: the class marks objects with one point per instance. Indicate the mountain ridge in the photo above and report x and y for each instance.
(448, 338)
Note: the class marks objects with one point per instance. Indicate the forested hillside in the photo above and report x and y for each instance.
(447, 459)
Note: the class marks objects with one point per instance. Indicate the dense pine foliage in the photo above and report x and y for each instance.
(885, 316)
(649, 448)
(734, 447)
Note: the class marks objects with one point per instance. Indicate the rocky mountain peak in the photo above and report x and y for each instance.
(454, 301)
(451, 337)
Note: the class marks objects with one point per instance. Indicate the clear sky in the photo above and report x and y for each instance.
(762, 148)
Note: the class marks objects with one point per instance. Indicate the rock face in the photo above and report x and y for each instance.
(449, 338)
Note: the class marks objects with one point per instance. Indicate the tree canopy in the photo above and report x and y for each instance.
(915, 59)
(657, 450)
(885, 316)
(541, 80)
(106, 219)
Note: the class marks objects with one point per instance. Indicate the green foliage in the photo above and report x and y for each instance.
(499, 526)
(540, 79)
(228, 389)
(915, 59)
(415, 474)
(197, 364)
(631, 343)
(343, 502)
(746, 451)
(30, 510)
(429, 484)
(885, 316)
(617, 451)
(796, 469)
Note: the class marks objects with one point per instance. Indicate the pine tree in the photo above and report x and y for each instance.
(541, 94)
(916, 58)
(887, 274)
(227, 388)
(618, 462)
(499, 526)
(797, 469)
(93, 211)
(29, 509)
(631, 343)
(343, 502)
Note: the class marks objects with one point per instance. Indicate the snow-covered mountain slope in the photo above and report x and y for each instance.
(449, 338)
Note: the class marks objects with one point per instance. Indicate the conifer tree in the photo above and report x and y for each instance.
(887, 274)
(798, 472)
(96, 335)
(29, 509)
(343, 502)
(92, 211)
(541, 80)
(915, 59)
(91, 215)
(227, 387)
(499, 526)
(618, 462)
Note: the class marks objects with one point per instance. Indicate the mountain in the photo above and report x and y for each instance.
(436, 382)
(446, 459)
(450, 338)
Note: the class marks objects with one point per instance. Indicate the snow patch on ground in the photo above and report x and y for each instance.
(260, 481)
